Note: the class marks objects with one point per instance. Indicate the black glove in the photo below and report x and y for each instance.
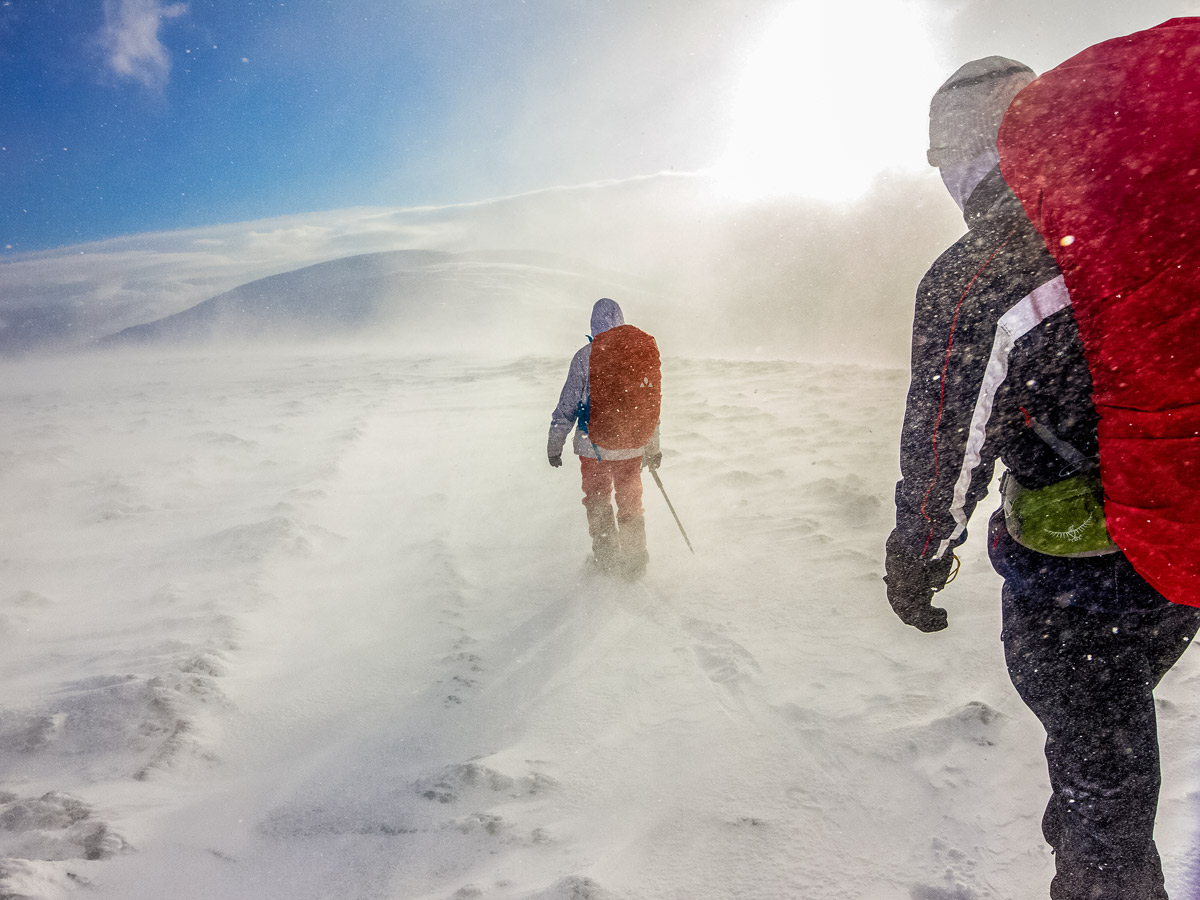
(911, 583)
(556, 461)
(652, 460)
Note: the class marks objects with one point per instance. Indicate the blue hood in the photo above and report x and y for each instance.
(605, 315)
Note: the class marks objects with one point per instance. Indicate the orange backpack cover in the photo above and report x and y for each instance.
(625, 391)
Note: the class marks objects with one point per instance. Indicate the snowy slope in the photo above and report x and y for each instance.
(416, 299)
(316, 625)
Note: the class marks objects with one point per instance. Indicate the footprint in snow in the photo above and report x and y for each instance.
(975, 722)
(957, 880)
(483, 822)
(933, 892)
(573, 887)
(723, 660)
(476, 782)
(469, 661)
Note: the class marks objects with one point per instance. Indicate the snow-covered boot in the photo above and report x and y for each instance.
(634, 557)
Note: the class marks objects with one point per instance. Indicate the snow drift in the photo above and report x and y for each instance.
(302, 625)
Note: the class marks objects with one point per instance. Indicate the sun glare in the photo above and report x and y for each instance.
(831, 96)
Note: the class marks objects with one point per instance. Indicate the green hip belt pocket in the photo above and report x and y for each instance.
(1061, 519)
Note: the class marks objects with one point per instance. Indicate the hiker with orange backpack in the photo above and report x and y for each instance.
(612, 398)
(1065, 348)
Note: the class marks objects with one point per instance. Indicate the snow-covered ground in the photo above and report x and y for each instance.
(302, 625)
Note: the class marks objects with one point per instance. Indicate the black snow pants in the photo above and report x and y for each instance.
(1086, 642)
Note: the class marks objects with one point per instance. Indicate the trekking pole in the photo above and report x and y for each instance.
(658, 481)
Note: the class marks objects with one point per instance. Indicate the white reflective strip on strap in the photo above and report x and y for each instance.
(1037, 307)
(1032, 310)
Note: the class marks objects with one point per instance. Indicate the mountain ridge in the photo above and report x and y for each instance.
(415, 293)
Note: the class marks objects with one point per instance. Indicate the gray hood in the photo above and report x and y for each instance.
(605, 315)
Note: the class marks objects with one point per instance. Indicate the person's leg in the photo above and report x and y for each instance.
(597, 500)
(1092, 691)
(1089, 674)
(631, 523)
(1168, 636)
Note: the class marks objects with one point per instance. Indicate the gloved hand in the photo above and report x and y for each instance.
(556, 461)
(652, 460)
(911, 583)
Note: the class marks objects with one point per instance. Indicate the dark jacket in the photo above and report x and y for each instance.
(995, 350)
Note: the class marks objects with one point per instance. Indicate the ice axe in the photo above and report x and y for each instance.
(658, 481)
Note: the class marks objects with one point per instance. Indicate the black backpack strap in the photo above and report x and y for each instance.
(1068, 452)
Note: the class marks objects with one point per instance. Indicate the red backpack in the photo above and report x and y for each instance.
(625, 390)
(1104, 154)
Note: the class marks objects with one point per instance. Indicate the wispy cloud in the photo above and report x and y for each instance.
(131, 42)
(784, 277)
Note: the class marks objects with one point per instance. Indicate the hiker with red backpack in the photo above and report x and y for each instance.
(612, 398)
(1017, 360)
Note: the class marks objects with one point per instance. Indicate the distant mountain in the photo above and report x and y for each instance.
(778, 279)
(423, 298)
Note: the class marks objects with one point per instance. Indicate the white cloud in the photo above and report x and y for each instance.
(131, 40)
(786, 277)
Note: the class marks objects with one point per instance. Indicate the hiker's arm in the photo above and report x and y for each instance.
(562, 420)
(946, 461)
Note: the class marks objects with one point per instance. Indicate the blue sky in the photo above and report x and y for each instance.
(134, 115)
(128, 116)
(122, 116)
